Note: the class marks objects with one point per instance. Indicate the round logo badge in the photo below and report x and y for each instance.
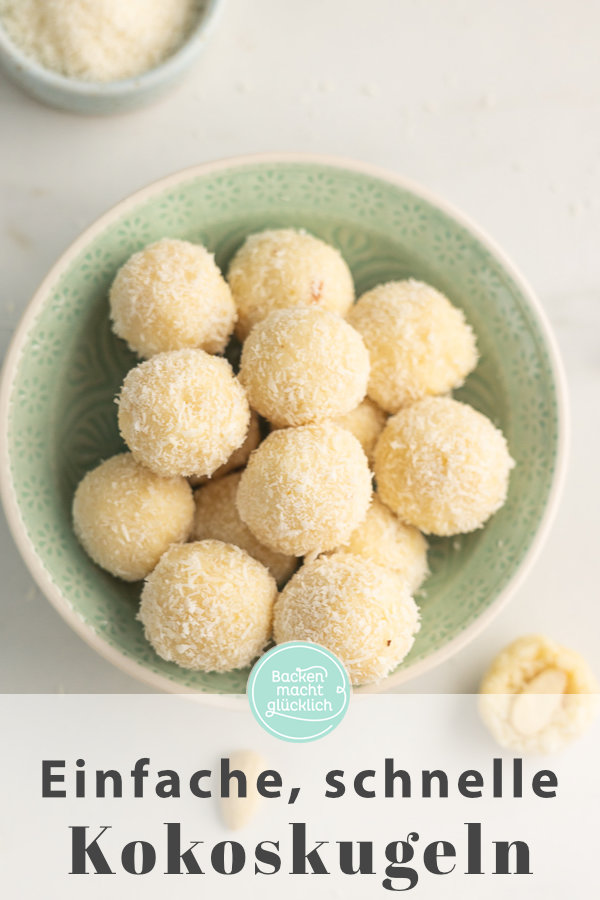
(299, 691)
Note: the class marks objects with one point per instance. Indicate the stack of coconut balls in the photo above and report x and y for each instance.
(242, 540)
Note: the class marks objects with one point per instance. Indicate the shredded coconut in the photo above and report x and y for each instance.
(208, 606)
(217, 519)
(283, 268)
(304, 365)
(419, 343)
(169, 296)
(442, 466)
(238, 458)
(360, 611)
(366, 423)
(387, 541)
(99, 40)
(126, 516)
(305, 489)
(183, 412)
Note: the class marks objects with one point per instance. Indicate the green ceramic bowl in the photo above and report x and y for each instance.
(58, 417)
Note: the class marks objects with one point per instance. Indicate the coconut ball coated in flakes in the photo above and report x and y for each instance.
(183, 413)
(304, 365)
(537, 696)
(238, 458)
(442, 466)
(366, 423)
(169, 296)
(217, 518)
(384, 539)
(281, 268)
(360, 611)
(125, 516)
(419, 343)
(208, 606)
(305, 489)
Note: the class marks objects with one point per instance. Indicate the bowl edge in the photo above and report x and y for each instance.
(24, 545)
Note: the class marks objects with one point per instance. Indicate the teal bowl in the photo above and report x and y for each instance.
(106, 98)
(58, 417)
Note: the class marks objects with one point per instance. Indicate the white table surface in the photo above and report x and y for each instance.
(494, 106)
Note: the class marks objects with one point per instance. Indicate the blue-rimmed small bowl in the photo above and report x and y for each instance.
(104, 98)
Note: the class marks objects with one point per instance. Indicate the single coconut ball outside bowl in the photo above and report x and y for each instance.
(66, 367)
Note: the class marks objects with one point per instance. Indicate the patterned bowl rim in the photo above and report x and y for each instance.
(13, 357)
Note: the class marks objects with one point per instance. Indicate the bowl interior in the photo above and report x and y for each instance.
(62, 416)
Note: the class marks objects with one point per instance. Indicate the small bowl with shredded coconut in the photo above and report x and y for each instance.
(101, 56)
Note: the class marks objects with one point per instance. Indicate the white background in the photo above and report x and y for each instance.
(418, 732)
(495, 106)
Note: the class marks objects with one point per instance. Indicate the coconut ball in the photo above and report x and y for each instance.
(538, 696)
(304, 365)
(281, 268)
(169, 296)
(442, 466)
(305, 489)
(239, 457)
(360, 611)
(366, 423)
(125, 516)
(217, 518)
(183, 413)
(384, 539)
(208, 606)
(419, 343)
